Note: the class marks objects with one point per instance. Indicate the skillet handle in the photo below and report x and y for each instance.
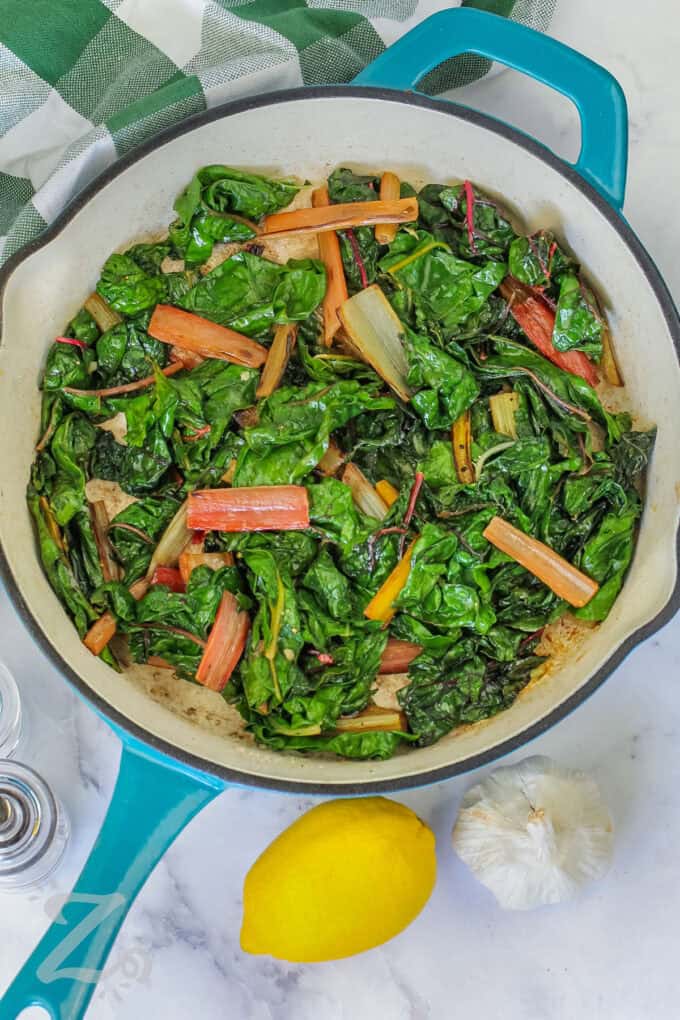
(596, 94)
(153, 800)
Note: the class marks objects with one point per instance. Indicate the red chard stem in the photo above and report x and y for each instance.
(356, 252)
(470, 215)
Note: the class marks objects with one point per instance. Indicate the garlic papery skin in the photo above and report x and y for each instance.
(534, 833)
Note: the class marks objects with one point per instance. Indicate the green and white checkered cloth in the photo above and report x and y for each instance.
(83, 81)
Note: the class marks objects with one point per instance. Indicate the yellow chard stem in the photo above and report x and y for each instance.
(276, 619)
(415, 255)
(503, 407)
(381, 605)
(461, 441)
(387, 491)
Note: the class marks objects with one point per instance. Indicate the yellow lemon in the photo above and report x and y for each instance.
(347, 876)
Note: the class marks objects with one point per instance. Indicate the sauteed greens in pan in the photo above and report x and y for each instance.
(286, 479)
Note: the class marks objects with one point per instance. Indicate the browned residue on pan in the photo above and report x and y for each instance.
(196, 704)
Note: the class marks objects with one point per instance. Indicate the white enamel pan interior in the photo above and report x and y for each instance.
(309, 134)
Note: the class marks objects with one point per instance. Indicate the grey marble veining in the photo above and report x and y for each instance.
(609, 955)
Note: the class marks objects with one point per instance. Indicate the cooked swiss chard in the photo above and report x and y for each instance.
(220, 205)
(286, 480)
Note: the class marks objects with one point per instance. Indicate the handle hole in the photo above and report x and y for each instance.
(34, 1013)
(454, 73)
(529, 105)
(513, 97)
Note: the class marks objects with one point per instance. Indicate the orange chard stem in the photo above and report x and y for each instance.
(341, 216)
(539, 559)
(193, 333)
(104, 629)
(336, 284)
(188, 562)
(398, 656)
(189, 359)
(279, 354)
(390, 188)
(256, 508)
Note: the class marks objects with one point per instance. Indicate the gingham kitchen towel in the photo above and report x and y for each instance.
(83, 81)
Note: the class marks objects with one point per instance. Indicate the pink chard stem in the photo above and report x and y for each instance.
(356, 252)
(470, 215)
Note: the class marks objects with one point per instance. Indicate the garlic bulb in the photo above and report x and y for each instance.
(534, 833)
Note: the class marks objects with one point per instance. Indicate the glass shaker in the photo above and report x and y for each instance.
(11, 718)
(33, 828)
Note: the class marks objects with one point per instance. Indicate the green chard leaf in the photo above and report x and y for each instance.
(346, 186)
(538, 260)
(631, 454)
(444, 387)
(443, 210)
(71, 449)
(269, 672)
(83, 327)
(294, 427)
(360, 253)
(65, 366)
(137, 469)
(251, 294)
(149, 257)
(606, 557)
(134, 285)
(127, 288)
(57, 567)
(492, 231)
(454, 690)
(578, 324)
(83, 552)
(434, 284)
(195, 241)
(332, 589)
(212, 207)
(562, 389)
(435, 592)
(227, 190)
(126, 352)
(334, 514)
(379, 745)
(135, 531)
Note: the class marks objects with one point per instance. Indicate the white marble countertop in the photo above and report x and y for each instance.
(609, 955)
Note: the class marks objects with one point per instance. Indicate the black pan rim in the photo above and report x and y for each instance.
(131, 731)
